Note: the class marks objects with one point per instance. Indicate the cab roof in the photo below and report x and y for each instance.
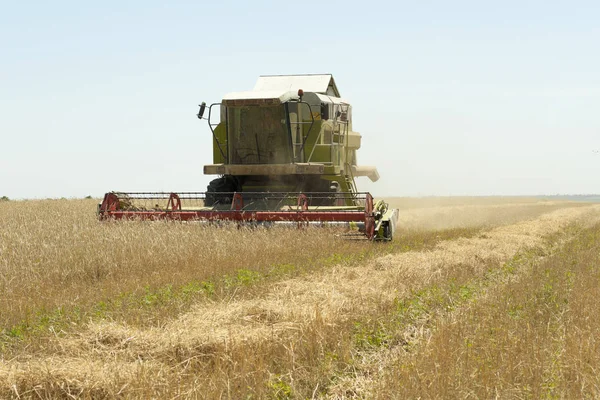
(276, 89)
(316, 83)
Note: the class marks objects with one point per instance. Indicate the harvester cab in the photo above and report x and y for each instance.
(284, 152)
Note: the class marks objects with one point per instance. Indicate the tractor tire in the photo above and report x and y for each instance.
(220, 191)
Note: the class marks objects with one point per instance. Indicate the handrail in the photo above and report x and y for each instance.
(210, 125)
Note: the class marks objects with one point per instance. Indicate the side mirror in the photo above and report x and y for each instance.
(201, 111)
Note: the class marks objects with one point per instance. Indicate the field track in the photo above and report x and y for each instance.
(283, 332)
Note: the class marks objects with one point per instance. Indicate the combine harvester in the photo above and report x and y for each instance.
(285, 153)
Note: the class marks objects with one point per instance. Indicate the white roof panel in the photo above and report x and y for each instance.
(282, 96)
(308, 83)
(330, 99)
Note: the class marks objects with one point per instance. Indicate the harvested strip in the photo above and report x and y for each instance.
(74, 376)
(460, 216)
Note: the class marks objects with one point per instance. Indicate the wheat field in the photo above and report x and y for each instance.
(475, 297)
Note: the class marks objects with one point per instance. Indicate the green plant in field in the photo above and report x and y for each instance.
(16, 332)
(247, 276)
(149, 297)
(242, 277)
(195, 287)
(280, 389)
(410, 309)
(366, 336)
(50, 318)
(336, 258)
(466, 292)
(283, 269)
(159, 296)
(4, 198)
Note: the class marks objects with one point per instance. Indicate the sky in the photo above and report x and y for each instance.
(451, 98)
